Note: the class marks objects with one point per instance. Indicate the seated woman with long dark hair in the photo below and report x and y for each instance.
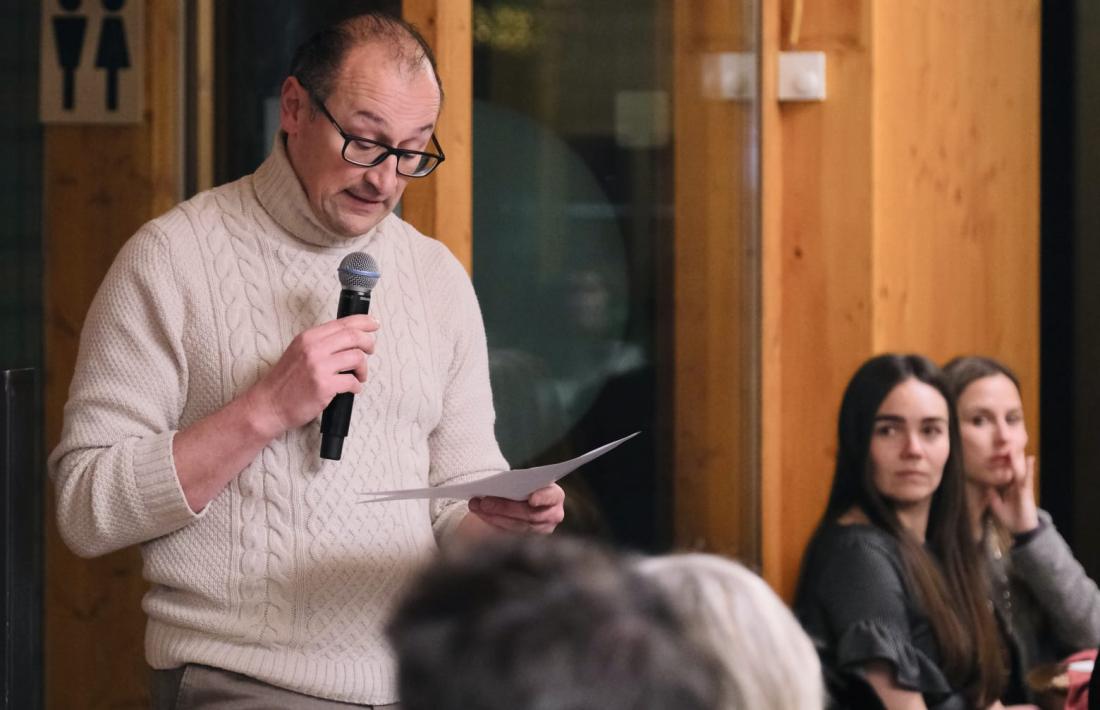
(890, 586)
(1047, 605)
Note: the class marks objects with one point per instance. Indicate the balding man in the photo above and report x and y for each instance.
(209, 354)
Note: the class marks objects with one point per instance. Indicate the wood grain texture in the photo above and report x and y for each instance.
(203, 67)
(100, 184)
(901, 214)
(714, 306)
(957, 182)
(441, 205)
(817, 293)
(771, 294)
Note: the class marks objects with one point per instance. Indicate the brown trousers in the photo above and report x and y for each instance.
(195, 687)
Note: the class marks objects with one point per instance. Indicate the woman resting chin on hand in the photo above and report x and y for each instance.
(1039, 591)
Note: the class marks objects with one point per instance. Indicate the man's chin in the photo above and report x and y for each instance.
(353, 225)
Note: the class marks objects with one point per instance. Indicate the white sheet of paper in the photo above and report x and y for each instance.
(514, 485)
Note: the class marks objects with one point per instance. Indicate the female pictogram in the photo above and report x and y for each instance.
(112, 53)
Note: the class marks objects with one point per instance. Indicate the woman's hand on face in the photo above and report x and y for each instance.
(1013, 505)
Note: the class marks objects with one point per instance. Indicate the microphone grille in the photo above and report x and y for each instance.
(359, 271)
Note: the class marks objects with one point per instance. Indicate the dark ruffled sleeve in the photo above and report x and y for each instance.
(870, 640)
(853, 599)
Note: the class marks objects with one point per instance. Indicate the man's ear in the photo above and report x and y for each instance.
(293, 106)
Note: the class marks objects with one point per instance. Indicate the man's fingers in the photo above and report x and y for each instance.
(522, 516)
(347, 339)
(342, 350)
(547, 496)
(540, 514)
(360, 322)
(353, 361)
(499, 507)
(349, 383)
(551, 515)
(505, 523)
(519, 509)
(360, 369)
(515, 525)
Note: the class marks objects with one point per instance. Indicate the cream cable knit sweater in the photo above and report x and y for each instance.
(283, 576)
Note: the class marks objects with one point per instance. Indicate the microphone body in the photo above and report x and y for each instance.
(358, 278)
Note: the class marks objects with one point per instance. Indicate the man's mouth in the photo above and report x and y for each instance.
(362, 198)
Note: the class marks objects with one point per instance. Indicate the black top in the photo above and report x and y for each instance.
(854, 601)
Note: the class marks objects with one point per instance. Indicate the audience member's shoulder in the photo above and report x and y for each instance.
(849, 562)
(856, 538)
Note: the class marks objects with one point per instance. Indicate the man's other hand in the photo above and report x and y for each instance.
(539, 514)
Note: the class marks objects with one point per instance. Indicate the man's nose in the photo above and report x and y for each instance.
(382, 176)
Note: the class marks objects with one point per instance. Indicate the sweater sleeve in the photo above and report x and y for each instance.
(463, 446)
(1069, 599)
(113, 471)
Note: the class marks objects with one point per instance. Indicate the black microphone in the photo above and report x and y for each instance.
(358, 275)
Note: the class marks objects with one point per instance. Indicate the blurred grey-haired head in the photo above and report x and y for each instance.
(769, 660)
(359, 272)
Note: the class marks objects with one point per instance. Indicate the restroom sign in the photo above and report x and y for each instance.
(93, 61)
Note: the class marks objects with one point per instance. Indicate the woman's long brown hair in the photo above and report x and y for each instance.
(945, 573)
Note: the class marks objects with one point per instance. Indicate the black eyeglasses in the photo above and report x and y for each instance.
(367, 153)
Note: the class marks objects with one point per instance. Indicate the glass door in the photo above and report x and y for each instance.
(615, 201)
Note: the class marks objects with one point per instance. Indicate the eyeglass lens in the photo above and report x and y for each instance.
(370, 154)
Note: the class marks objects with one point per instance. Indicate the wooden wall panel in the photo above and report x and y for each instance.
(956, 110)
(441, 205)
(100, 184)
(900, 214)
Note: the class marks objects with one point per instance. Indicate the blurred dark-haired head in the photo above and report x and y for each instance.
(528, 623)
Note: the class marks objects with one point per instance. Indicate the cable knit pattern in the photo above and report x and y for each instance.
(284, 576)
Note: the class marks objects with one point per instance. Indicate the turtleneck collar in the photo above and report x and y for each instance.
(280, 192)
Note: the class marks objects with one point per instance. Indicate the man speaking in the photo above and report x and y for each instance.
(209, 354)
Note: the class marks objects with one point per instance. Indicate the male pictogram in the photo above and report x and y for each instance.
(112, 53)
(68, 37)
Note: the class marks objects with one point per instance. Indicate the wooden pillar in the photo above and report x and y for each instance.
(441, 205)
(100, 184)
(714, 313)
(817, 287)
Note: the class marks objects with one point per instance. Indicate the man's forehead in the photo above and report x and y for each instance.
(377, 64)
